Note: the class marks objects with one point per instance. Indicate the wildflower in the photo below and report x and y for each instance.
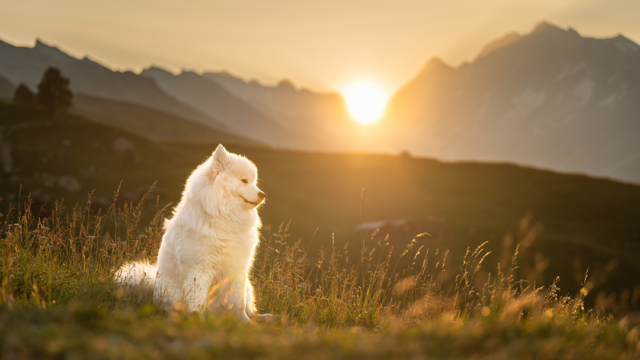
(112, 244)
(49, 246)
(91, 237)
(45, 228)
(124, 243)
(140, 236)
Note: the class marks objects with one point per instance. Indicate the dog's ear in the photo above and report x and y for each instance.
(220, 157)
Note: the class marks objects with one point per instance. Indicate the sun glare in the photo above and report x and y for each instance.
(366, 101)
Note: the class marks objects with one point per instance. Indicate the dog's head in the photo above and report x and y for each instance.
(235, 178)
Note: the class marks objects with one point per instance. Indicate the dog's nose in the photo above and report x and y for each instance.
(261, 195)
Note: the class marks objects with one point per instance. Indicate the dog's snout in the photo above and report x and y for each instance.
(261, 195)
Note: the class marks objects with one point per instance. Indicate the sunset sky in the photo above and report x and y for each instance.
(322, 45)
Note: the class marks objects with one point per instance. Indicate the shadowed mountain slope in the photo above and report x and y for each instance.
(6, 89)
(149, 122)
(298, 108)
(240, 116)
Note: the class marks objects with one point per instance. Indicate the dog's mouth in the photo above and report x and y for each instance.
(250, 202)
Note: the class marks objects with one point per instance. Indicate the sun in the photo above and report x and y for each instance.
(366, 101)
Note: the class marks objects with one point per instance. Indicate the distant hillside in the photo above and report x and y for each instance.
(551, 98)
(586, 222)
(22, 64)
(6, 89)
(300, 109)
(150, 122)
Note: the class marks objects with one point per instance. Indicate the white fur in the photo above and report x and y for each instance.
(209, 242)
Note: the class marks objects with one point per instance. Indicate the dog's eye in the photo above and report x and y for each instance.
(244, 181)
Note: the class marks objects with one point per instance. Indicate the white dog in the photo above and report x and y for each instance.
(208, 247)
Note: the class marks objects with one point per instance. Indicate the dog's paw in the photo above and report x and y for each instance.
(267, 318)
(244, 319)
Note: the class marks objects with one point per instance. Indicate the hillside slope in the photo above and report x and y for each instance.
(551, 98)
(150, 122)
(6, 89)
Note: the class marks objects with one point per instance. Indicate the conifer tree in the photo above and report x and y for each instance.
(54, 94)
(23, 96)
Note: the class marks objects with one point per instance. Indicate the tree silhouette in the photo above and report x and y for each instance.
(23, 96)
(53, 91)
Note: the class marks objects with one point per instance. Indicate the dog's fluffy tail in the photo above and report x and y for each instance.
(137, 274)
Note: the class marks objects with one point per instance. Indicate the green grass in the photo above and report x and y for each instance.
(59, 300)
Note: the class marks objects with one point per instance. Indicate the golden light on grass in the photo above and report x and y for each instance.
(366, 101)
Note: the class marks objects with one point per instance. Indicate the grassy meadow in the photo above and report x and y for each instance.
(59, 300)
(527, 264)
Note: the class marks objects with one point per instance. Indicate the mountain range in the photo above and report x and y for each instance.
(242, 118)
(26, 65)
(550, 98)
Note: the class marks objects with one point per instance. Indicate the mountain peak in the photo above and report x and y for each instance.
(154, 69)
(547, 29)
(499, 43)
(543, 27)
(49, 49)
(286, 84)
(39, 43)
(625, 44)
(435, 63)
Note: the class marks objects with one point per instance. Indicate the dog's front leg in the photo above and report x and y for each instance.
(196, 286)
(250, 307)
(237, 299)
